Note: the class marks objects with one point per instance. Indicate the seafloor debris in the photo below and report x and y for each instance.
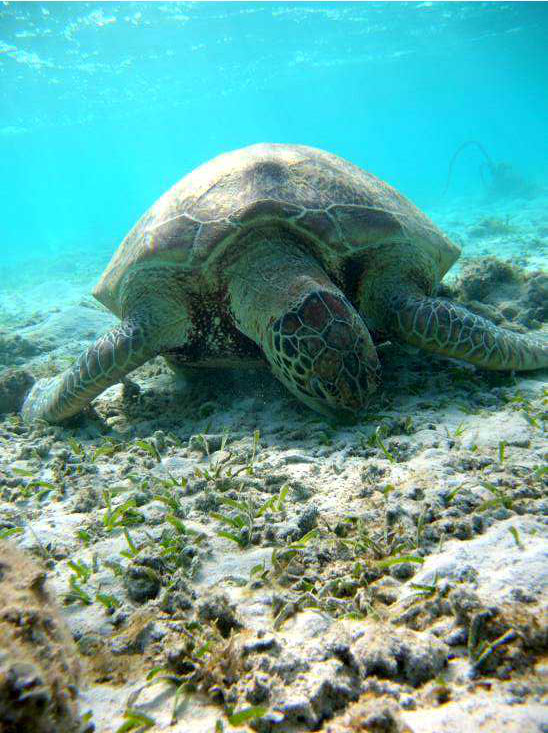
(505, 293)
(39, 668)
(16, 349)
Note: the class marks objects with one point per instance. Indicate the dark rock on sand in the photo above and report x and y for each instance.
(505, 293)
(16, 349)
(14, 386)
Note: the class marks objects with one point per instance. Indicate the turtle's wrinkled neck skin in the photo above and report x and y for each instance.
(313, 338)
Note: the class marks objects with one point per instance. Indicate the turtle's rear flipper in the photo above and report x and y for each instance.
(104, 363)
(443, 327)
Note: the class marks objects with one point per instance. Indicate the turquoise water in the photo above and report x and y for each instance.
(103, 106)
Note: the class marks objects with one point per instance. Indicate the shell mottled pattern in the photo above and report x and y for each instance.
(338, 207)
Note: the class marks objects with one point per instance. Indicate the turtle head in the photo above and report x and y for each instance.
(322, 352)
(313, 338)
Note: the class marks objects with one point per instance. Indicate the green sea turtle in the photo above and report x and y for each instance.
(284, 253)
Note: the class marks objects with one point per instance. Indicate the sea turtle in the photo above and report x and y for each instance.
(285, 253)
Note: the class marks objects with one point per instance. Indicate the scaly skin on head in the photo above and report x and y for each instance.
(314, 340)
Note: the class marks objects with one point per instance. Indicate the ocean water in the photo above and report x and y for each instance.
(103, 106)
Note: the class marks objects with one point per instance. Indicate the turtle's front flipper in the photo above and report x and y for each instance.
(104, 363)
(443, 327)
(313, 338)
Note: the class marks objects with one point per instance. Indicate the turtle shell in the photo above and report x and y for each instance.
(340, 209)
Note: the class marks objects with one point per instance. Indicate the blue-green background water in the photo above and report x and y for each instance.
(103, 106)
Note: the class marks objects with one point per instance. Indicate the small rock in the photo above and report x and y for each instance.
(375, 715)
(308, 519)
(179, 596)
(264, 644)
(217, 609)
(398, 654)
(136, 643)
(511, 428)
(14, 387)
(15, 349)
(259, 692)
(403, 570)
(142, 579)
(385, 589)
(214, 442)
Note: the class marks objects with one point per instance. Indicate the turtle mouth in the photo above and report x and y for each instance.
(328, 406)
(342, 398)
(345, 397)
(324, 355)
